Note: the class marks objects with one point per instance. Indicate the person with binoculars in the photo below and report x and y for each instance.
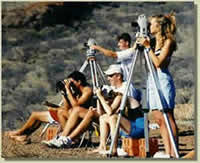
(57, 114)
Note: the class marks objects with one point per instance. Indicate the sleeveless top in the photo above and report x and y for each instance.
(157, 53)
(90, 102)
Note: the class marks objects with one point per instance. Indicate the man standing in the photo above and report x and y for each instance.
(124, 57)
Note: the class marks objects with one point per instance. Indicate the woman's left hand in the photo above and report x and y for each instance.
(145, 41)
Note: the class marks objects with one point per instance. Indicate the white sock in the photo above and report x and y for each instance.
(65, 138)
(62, 137)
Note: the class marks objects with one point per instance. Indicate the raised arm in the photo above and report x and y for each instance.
(165, 51)
(86, 93)
(106, 52)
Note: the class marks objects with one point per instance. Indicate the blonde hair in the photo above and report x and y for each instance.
(168, 27)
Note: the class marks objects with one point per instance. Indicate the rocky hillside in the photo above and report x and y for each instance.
(43, 42)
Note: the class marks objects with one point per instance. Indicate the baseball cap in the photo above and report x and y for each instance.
(115, 68)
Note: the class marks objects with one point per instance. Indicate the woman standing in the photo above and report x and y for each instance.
(163, 28)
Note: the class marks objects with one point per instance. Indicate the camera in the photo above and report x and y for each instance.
(143, 29)
(107, 92)
(60, 87)
(90, 52)
(142, 25)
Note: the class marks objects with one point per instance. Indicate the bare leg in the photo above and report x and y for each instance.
(84, 123)
(163, 130)
(124, 124)
(77, 112)
(35, 116)
(63, 112)
(112, 123)
(63, 115)
(104, 131)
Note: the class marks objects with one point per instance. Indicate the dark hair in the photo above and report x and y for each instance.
(125, 37)
(76, 75)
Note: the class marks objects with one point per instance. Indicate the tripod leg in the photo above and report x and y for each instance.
(146, 133)
(101, 74)
(83, 66)
(92, 73)
(161, 101)
(123, 101)
(95, 73)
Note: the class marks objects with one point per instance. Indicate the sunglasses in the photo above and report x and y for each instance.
(111, 75)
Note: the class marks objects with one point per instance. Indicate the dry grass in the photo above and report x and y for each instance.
(184, 115)
(184, 112)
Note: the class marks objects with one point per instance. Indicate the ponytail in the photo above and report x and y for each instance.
(172, 22)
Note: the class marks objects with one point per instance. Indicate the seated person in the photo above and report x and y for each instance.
(131, 124)
(57, 114)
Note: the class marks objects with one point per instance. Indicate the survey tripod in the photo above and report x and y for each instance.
(94, 68)
(144, 51)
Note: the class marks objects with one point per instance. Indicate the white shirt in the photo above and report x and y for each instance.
(125, 57)
(133, 92)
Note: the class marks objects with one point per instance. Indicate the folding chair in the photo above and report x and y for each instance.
(93, 127)
(49, 104)
(48, 125)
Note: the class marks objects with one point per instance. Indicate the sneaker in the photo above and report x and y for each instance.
(50, 142)
(62, 142)
(121, 152)
(56, 143)
(104, 152)
(67, 141)
(161, 155)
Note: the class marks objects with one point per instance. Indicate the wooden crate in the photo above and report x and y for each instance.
(136, 147)
(153, 147)
(131, 146)
(51, 132)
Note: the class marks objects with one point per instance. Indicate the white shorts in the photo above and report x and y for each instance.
(51, 120)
